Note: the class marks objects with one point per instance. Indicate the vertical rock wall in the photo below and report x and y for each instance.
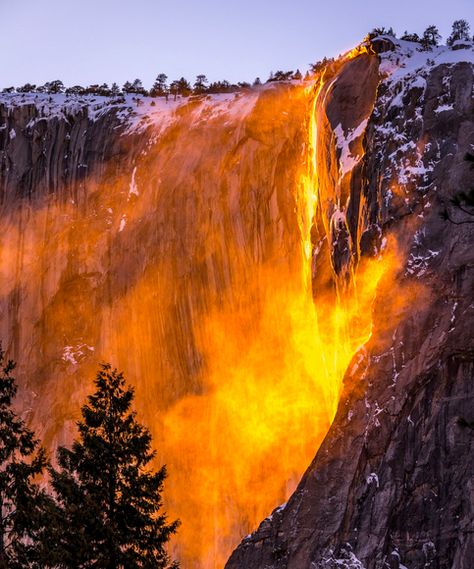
(392, 484)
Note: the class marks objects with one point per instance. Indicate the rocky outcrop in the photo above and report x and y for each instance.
(46, 149)
(392, 484)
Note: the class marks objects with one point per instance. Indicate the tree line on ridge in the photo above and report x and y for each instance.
(430, 38)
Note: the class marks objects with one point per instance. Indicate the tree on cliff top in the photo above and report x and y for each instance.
(280, 76)
(180, 87)
(461, 31)
(54, 87)
(381, 31)
(200, 85)
(109, 499)
(135, 88)
(431, 38)
(159, 88)
(411, 37)
(21, 500)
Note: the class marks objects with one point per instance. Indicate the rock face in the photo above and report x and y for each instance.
(171, 248)
(180, 241)
(392, 485)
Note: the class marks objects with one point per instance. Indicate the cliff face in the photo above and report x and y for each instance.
(392, 484)
(167, 239)
(225, 252)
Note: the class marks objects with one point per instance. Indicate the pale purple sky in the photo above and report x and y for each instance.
(95, 41)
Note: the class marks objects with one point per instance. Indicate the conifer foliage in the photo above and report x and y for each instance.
(108, 497)
(22, 503)
(461, 32)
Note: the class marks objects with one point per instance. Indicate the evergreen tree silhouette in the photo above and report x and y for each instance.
(22, 502)
(108, 497)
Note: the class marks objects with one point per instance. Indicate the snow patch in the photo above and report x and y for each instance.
(74, 354)
(133, 188)
(372, 478)
(347, 161)
(443, 108)
(346, 559)
(135, 112)
(123, 223)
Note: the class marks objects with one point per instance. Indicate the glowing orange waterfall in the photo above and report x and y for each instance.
(275, 363)
(194, 273)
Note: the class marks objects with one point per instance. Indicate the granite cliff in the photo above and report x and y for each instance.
(240, 256)
(392, 484)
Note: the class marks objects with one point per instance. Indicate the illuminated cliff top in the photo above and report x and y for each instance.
(408, 59)
(137, 112)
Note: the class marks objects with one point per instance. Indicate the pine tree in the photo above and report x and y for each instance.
(159, 88)
(22, 503)
(104, 90)
(411, 37)
(184, 87)
(115, 90)
(108, 497)
(138, 89)
(431, 38)
(297, 75)
(26, 88)
(280, 76)
(200, 84)
(54, 87)
(378, 31)
(76, 90)
(174, 88)
(461, 31)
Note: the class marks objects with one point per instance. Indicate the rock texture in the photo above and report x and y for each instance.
(392, 486)
(101, 220)
(146, 245)
(126, 238)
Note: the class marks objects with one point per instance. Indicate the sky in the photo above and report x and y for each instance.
(96, 41)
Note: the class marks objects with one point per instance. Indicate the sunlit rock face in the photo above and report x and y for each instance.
(175, 240)
(392, 484)
(237, 256)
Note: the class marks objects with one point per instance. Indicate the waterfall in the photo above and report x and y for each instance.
(211, 258)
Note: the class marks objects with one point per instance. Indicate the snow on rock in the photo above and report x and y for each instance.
(421, 256)
(408, 167)
(338, 220)
(343, 559)
(409, 62)
(372, 478)
(443, 108)
(135, 113)
(133, 189)
(418, 265)
(347, 161)
(123, 223)
(74, 354)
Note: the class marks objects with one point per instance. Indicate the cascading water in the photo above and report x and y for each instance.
(198, 272)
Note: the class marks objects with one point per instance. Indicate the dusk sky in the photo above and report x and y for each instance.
(96, 41)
